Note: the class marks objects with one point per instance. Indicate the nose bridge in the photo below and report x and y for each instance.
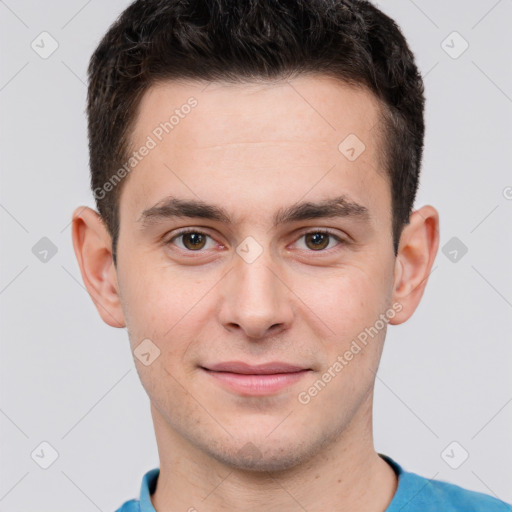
(257, 281)
(254, 297)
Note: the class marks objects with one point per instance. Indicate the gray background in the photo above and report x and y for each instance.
(69, 379)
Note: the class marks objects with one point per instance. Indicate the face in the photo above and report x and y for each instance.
(257, 278)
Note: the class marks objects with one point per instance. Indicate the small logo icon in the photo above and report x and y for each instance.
(44, 455)
(454, 249)
(454, 455)
(250, 452)
(44, 45)
(146, 352)
(249, 250)
(44, 250)
(454, 45)
(351, 147)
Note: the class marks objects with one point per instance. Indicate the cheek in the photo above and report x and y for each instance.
(156, 295)
(171, 308)
(164, 308)
(347, 300)
(350, 304)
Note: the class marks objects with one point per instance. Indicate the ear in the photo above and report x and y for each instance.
(416, 253)
(93, 249)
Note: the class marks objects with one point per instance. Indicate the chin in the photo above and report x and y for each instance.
(270, 458)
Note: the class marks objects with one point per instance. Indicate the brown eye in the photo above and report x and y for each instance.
(193, 240)
(317, 240)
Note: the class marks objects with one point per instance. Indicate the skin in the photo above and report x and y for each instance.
(254, 149)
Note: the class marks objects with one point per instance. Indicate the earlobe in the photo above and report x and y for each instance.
(416, 253)
(93, 250)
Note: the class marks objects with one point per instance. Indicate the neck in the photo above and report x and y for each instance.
(347, 475)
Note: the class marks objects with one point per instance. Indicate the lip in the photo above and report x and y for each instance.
(240, 367)
(255, 380)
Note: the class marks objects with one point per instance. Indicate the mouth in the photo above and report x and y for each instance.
(255, 380)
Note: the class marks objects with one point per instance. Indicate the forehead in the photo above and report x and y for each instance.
(254, 140)
(315, 108)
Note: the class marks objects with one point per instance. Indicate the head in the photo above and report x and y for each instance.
(256, 126)
(244, 42)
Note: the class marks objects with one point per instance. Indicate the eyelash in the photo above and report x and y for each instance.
(324, 231)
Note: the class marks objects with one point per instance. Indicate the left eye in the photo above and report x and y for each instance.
(195, 241)
(319, 240)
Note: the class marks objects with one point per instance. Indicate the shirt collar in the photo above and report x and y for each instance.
(147, 488)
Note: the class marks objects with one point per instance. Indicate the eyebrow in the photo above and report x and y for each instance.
(172, 207)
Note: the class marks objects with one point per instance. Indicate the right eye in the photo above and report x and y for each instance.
(191, 240)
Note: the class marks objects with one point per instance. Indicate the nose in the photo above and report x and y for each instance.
(255, 299)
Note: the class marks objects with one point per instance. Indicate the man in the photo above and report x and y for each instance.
(255, 164)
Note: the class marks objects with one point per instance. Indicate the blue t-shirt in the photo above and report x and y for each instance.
(414, 494)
